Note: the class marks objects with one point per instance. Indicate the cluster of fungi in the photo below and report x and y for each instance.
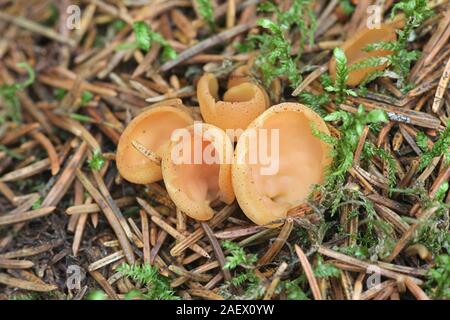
(144, 153)
(145, 150)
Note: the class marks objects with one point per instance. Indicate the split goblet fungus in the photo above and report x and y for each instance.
(267, 190)
(141, 144)
(196, 168)
(354, 51)
(241, 104)
(239, 75)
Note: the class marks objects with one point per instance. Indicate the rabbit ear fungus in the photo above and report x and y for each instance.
(267, 188)
(354, 51)
(140, 146)
(196, 169)
(241, 104)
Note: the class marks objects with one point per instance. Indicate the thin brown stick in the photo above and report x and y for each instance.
(362, 265)
(25, 216)
(145, 236)
(278, 243)
(104, 284)
(31, 251)
(275, 281)
(206, 44)
(199, 233)
(37, 28)
(110, 216)
(415, 289)
(66, 178)
(309, 273)
(25, 285)
(15, 264)
(174, 233)
(52, 155)
(218, 252)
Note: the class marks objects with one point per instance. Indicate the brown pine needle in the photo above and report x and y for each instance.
(309, 273)
(25, 216)
(110, 216)
(25, 285)
(146, 152)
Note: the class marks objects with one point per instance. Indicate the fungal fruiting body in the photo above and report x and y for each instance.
(275, 172)
(354, 49)
(239, 75)
(196, 168)
(140, 147)
(241, 103)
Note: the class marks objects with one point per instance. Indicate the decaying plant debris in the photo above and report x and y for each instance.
(67, 95)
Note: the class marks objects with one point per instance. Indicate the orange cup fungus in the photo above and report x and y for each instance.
(267, 190)
(239, 75)
(196, 168)
(140, 147)
(354, 51)
(242, 102)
